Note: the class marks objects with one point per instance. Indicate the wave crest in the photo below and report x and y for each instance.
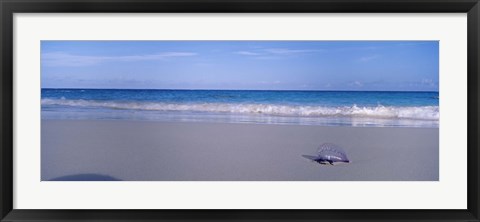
(389, 112)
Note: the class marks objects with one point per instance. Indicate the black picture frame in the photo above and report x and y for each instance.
(9, 7)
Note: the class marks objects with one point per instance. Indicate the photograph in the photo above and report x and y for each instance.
(239, 110)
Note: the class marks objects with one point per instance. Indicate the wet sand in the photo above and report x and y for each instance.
(161, 151)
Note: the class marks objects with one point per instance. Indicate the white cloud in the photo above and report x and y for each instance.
(275, 53)
(276, 82)
(247, 53)
(356, 83)
(66, 59)
(361, 48)
(428, 82)
(368, 58)
(283, 51)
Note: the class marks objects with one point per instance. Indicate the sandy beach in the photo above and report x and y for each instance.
(161, 151)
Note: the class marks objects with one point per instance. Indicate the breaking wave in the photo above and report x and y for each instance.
(386, 112)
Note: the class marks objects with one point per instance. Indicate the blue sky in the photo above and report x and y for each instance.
(272, 65)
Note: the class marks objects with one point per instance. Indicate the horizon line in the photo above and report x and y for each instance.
(319, 90)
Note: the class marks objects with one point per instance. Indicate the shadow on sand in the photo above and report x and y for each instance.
(85, 177)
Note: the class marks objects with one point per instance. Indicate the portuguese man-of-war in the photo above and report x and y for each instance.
(329, 153)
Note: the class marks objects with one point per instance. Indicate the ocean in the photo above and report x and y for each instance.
(327, 108)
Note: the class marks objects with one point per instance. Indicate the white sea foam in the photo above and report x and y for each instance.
(384, 112)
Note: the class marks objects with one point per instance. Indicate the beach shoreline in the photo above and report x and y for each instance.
(131, 150)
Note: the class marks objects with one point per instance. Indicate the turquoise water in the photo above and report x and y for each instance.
(349, 108)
